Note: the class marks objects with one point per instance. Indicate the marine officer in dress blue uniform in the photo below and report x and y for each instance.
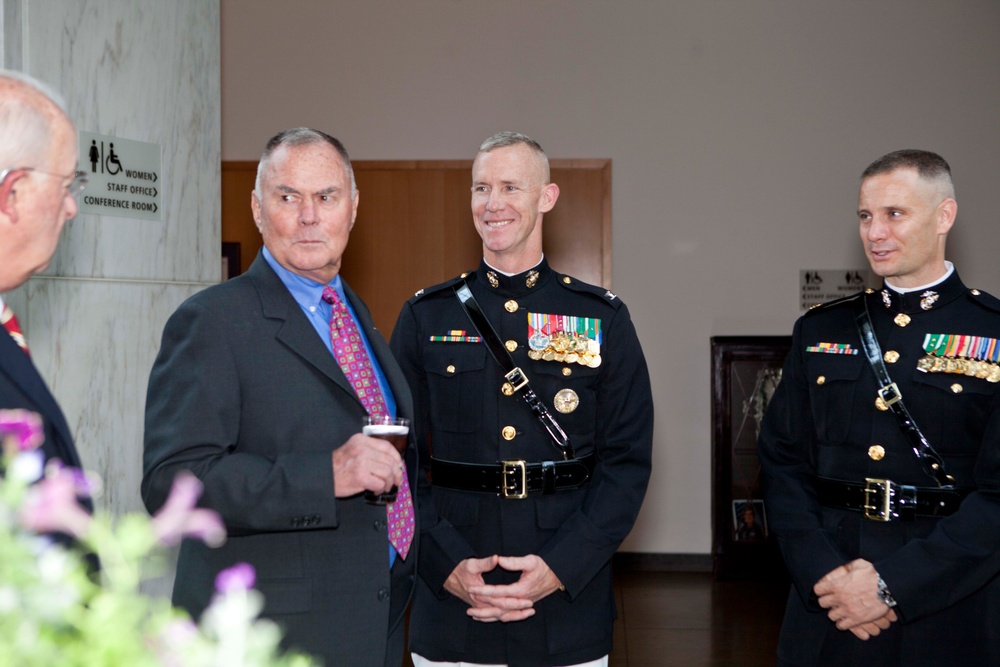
(525, 504)
(883, 475)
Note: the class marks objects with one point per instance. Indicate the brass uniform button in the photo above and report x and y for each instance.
(821, 379)
(508, 432)
(450, 370)
(901, 320)
(567, 280)
(956, 388)
(567, 371)
(464, 275)
(507, 389)
(881, 404)
(869, 290)
(511, 345)
(511, 306)
(976, 292)
(891, 357)
(876, 452)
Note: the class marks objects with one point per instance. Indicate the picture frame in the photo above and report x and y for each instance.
(230, 261)
(745, 372)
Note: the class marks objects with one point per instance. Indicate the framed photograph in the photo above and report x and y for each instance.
(230, 260)
(749, 520)
(745, 372)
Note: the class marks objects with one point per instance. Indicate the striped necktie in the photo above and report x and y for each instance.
(349, 350)
(9, 322)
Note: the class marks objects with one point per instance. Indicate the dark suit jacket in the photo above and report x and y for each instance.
(244, 394)
(22, 387)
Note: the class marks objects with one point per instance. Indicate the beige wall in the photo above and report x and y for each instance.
(737, 131)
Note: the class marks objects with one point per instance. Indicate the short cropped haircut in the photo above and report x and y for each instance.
(930, 166)
(505, 139)
(303, 136)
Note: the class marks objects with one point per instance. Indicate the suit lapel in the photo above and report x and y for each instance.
(299, 335)
(296, 332)
(18, 368)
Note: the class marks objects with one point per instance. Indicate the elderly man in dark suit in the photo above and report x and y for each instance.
(260, 388)
(38, 186)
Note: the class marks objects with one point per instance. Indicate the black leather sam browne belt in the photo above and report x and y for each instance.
(885, 500)
(513, 479)
(512, 373)
(516, 478)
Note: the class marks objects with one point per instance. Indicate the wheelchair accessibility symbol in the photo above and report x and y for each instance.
(107, 163)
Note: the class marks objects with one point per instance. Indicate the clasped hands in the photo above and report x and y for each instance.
(507, 602)
(850, 592)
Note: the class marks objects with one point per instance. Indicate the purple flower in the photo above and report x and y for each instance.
(239, 577)
(51, 505)
(24, 427)
(179, 518)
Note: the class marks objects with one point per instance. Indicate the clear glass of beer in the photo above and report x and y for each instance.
(396, 431)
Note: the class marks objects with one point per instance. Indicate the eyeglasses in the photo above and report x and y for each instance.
(73, 188)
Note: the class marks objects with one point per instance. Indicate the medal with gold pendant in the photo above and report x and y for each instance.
(564, 338)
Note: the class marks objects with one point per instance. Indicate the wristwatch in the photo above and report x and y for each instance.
(883, 593)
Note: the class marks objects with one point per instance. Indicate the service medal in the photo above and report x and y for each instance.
(566, 401)
(538, 341)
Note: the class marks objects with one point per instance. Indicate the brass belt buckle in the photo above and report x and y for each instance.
(517, 472)
(878, 508)
(890, 394)
(517, 379)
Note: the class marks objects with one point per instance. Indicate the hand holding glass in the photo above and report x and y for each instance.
(395, 431)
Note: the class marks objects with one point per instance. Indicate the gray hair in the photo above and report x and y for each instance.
(303, 136)
(27, 110)
(505, 139)
(930, 166)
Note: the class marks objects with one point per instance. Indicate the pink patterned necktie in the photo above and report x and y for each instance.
(349, 350)
(9, 323)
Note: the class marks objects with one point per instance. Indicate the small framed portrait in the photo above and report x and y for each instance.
(749, 521)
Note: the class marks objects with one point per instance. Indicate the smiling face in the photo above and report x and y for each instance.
(305, 210)
(904, 221)
(510, 193)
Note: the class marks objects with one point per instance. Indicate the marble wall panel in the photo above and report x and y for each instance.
(149, 71)
(95, 342)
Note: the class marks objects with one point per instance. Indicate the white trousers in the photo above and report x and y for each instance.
(423, 662)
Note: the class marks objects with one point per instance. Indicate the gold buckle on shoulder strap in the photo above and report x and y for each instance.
(517, 378)
(514, 482)
(890, 394)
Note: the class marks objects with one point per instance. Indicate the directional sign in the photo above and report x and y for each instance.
(821, 286)
(124, 177)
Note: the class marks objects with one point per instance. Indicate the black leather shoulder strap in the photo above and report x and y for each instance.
(514, 375)
(889, 392)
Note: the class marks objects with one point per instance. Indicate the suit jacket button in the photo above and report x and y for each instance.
(297, 522)
(383, 594)
(379, 524)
